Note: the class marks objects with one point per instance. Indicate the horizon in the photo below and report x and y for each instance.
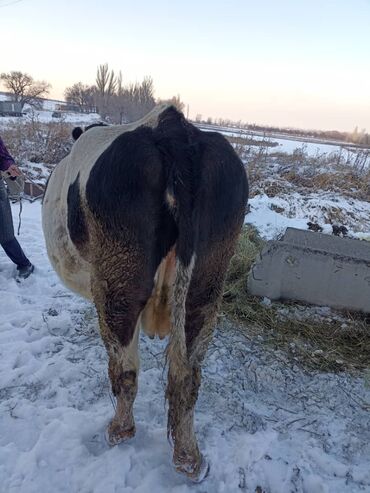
(286, 65)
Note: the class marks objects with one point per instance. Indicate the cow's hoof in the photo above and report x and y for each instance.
(115, 434)
(195, 473)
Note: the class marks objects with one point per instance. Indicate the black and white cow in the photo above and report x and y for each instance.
(142, 219)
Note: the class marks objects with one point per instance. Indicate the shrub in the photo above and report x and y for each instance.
(38, 142)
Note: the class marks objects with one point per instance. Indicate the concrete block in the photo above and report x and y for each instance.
(314, 268)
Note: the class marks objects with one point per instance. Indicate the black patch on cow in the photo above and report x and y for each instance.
(99, 124)
(76, 133)
(223, 190)
(125, 191)
(75, 215)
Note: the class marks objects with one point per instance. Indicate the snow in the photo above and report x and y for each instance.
(288, 144)
(69, 117)
(298, 209)
(261, 419)
(311, 148)
(45, 116)
(38, 172)
(285, 143)
(270, 223)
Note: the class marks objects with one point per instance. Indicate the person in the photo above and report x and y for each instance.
(7, 239)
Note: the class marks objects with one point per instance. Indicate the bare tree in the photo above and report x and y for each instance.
(80, 94)
(139, 99)
(115, 101)
(146, 91)
(24, 88)
(105, 84)
(132, 101)
(120, 102)
(106, 81)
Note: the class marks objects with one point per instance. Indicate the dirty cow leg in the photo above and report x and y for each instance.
(182, 394)
(123, 373)
(120, 289)
(184, 381)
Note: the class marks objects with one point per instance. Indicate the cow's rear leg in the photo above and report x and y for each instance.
(184, 377)
(123, 372)
(182, 393)
(120, 290)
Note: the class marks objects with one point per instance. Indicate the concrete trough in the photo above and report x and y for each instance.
(314, 268)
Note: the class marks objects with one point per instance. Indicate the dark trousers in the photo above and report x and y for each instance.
(14, 251)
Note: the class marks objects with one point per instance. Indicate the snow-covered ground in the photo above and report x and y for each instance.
(312, 148)
(289, 144)
(45, 116)
(297, 209)
(262, 421)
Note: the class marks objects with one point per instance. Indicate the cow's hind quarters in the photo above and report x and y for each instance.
(195, 470)
(116, 433)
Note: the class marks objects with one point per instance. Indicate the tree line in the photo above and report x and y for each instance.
(114, 100)
(119, 102)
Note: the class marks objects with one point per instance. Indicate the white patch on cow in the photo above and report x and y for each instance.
(176, 350)
(170, 200)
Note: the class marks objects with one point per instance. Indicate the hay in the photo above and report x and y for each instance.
(337, 342)
(334, 172)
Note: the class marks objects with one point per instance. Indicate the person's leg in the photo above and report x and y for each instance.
(7, 239)
(14, 251)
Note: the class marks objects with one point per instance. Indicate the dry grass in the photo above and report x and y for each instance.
(345, 181)
(38, 142)
(249, 140)
(337, 343)
(276, 173)
(332, 343)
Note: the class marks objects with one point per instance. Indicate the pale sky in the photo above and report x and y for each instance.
(302, 63)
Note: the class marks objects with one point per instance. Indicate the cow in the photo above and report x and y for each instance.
(142, 219)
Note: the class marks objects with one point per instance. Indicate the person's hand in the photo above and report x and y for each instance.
(13, 171)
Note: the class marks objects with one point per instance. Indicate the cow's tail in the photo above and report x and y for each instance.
(179, 144)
